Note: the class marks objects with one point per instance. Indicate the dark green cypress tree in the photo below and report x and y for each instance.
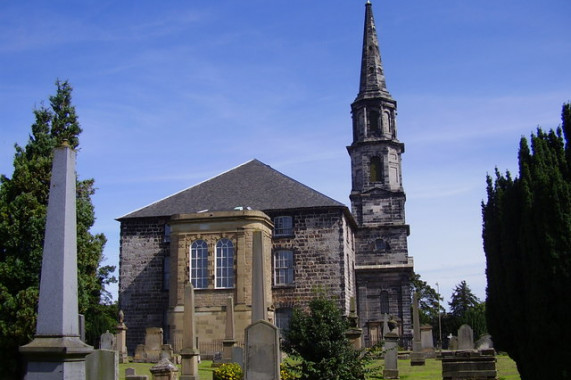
(527, 241)
(23, 208)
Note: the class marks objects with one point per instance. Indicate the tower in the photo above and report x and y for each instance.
(383, 268)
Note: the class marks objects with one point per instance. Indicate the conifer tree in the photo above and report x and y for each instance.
(527, 241)
(23, 208)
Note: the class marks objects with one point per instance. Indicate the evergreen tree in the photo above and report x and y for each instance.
(527, 241)
(462, 300)
(23, 208)
(316, 341)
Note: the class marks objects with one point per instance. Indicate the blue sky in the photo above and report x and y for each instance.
(172, 93)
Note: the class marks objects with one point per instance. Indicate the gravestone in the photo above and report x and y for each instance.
(416, 356)
(452, 342)
(238, 355)
(131, 375)
(153, 344)
(140, 356)
(102, 365)
(469, 364)
(465, 338)
(164, 370)
(262, 351)
(391, 370)
(107, 341)
(57, 352)
(485, 342)
(230, 338)
(427, 341)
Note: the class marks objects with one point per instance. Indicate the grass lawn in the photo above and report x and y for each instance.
(431, 371)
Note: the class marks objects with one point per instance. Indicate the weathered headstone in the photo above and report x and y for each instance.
(164, 370)
(416, 356)
(131, 375)
(469, 364)
(238, 355)
(391, 370)
(465, 338)
(153, 344)
(140, 356)
(230, 338)
(262, 352)
(102, 365)
(485, 342)
(427, 341)
(452, 342)
(107, 341)
(57, 351)
(189, 353)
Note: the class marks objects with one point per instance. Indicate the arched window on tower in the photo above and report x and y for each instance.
(376, 170)
(373, 119)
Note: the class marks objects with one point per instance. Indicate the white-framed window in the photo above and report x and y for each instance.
(199, 264)
(283, 226)
(224, 263)
(283, 267)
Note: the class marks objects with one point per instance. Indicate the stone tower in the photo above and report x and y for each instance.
(383, 268)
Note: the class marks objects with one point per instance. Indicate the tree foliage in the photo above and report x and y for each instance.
(316, 340)
(23, 209)
(466, 308)
(527, 241)
(429, 305)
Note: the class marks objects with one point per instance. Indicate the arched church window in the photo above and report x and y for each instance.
(384, 302)
(199, 264)
(376, 170)
(373, 121)
(224, 264)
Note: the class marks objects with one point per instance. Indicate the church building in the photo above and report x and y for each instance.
(204, 235)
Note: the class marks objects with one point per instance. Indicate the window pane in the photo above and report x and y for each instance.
(283, 226)
(283, 267)
(224, 264)
(199, 264)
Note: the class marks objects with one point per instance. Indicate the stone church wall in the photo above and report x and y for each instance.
(143, 296)
(323, 255)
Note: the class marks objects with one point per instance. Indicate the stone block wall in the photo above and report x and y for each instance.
(395, 250)
(323, 254)
(143, 296)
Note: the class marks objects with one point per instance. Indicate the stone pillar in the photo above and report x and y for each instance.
(121, 338)
(259, 302)
(230, 338)
(57, 351)
(416, 356)
(354, 333)
(189, 353)
(391, 370)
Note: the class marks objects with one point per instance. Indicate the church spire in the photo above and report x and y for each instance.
(372, 76)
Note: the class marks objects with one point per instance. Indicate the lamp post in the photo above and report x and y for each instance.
(439, 319)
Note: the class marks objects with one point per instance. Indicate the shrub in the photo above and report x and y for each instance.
(228, 371)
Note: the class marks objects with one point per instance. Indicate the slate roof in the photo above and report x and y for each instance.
(253, 184)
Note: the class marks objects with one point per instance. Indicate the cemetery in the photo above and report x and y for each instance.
(206, 287)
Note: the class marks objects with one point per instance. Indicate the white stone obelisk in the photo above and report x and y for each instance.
(57, 351)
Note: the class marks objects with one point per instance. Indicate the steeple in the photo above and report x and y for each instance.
(372, 76)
